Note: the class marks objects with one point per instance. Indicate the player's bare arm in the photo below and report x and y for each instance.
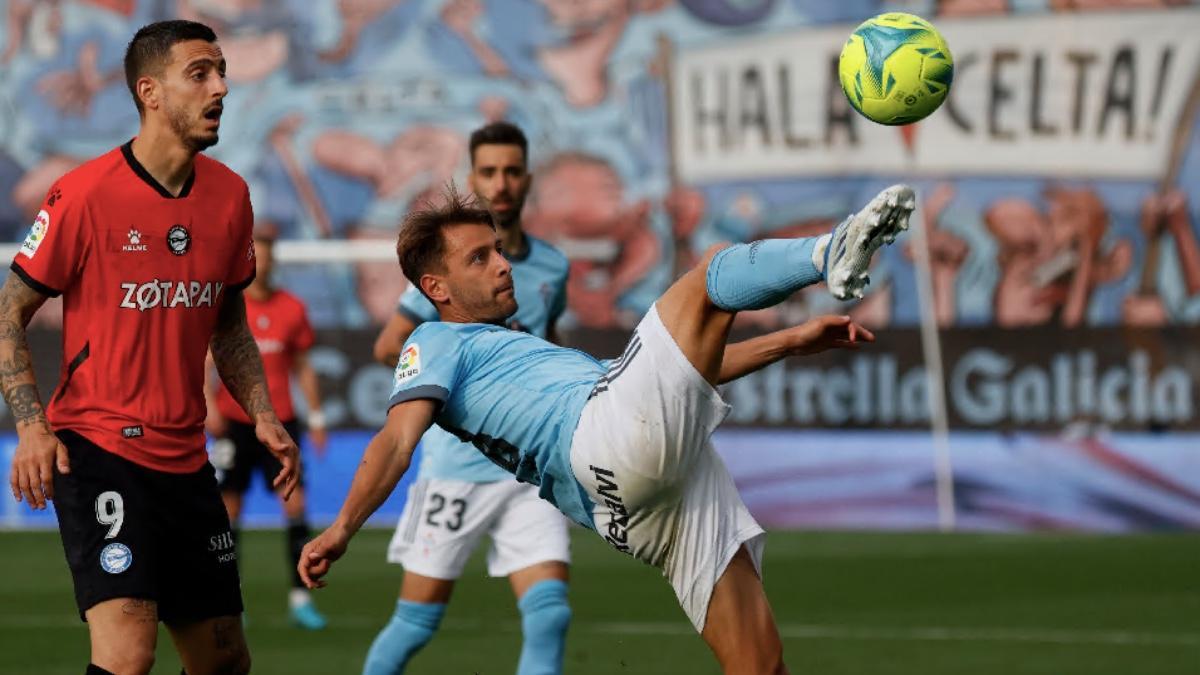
(306, 377)
(214, 423)
(391, 339)
(38, 449)
(384, 462)
(240, 366)
(815, 335)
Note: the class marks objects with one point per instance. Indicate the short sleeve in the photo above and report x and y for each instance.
(415, 307)
(51, 257)
(303, 337)
(242, 265)
(429, 366)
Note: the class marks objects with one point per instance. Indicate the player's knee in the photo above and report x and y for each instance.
(767, 657)
(135, 659)
(544, 609)
(709, 253)
(234, 662)
(700, 271)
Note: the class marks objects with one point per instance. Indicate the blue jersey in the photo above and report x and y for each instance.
(514, 397)
(540, 286)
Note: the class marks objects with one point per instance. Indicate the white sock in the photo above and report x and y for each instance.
(818, 253)
(298, 597)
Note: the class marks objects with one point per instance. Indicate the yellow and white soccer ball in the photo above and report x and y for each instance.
(896, 68)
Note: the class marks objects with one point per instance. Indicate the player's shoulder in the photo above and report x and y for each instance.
(216, 171)
(87, 178)
(450, 335)
(439, 329)
(547, 254)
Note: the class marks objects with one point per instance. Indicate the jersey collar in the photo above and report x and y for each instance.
(141, 172)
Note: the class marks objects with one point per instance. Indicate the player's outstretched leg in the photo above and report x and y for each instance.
(740, 628)
(698, 309)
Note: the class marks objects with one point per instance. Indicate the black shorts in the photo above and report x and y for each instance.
(133, 532)
(238, 454)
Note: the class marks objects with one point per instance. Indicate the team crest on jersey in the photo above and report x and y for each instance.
(116, 558)
(178, 240)
(135, 244)
(410, 363)
(37, 233)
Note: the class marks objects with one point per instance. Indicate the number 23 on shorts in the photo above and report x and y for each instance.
(451, 521)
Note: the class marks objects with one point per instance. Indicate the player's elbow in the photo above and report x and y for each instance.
(384, 352)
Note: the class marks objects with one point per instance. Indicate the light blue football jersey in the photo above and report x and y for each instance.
(514, 397)
(540, 285)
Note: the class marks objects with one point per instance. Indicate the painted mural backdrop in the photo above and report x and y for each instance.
(1059, 184)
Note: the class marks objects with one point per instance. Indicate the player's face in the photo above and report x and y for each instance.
(499, 177)
(193, 88)
(479, 278)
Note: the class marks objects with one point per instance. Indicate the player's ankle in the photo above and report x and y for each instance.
(299, 597)
(820, 254)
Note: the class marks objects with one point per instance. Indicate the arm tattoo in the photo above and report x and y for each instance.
(18, 302)
(237, 357)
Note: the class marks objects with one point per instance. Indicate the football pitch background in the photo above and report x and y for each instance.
(850, 603)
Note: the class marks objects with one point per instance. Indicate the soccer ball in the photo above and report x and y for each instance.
(896, 68)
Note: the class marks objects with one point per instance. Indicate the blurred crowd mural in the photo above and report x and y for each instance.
(1058, 184)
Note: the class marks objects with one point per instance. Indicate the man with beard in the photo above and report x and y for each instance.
(460, 495)
(621, 447)
(150, 247)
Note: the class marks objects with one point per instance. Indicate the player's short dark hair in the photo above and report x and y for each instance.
(499, 133)
(150, 48)
(421, 244)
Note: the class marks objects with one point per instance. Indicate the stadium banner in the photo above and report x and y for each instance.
(1117, 378)
(1073, 95)
(840, 439)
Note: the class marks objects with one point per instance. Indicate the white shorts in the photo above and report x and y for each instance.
(659, 490)
(444, 520)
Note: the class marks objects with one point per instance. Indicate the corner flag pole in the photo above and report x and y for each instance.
(931, 346)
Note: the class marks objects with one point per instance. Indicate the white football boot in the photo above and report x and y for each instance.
(856, 239)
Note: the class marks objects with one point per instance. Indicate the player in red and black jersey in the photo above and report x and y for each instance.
(150, 247)
(279, 323)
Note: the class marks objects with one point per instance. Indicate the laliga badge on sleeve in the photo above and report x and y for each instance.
(409, 365)
(37, 233)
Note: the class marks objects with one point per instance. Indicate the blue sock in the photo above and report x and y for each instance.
(410, 628)
(761, 274)
(544, 619)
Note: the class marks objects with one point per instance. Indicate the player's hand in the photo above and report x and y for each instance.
(276, 439)
(826, 332)
(319, 554)
(38, 453)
